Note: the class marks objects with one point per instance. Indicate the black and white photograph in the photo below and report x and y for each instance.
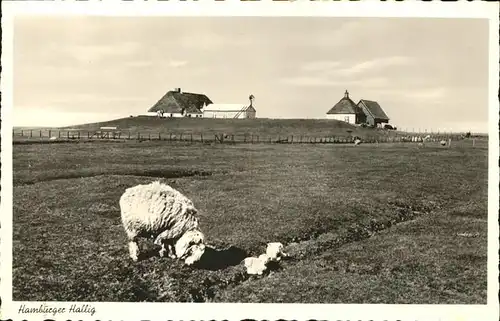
(293, 159)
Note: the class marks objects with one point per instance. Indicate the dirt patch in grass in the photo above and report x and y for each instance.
(156, 173)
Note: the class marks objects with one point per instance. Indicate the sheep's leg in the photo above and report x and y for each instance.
(133, 247)
(163, 238)
(169, 250)
(163, 250)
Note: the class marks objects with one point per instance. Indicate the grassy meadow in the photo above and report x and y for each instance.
(387, 223)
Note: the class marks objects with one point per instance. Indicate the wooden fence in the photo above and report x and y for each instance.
(222, 138)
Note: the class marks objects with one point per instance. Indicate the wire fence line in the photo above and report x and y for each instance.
(76, 135)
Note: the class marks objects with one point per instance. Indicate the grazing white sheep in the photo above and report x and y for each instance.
(443, 143)
(53, 138)
(275, 251)
(357, 141)
(256, 265)
(158, 211)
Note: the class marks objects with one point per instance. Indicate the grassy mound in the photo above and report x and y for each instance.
(259, 126)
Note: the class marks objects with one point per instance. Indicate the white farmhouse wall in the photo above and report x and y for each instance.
(227, 111)
(226, 114)
(152, 114)
(192, 115)
(173, 115)
(165, 115)
(348, 118)
(250, 114)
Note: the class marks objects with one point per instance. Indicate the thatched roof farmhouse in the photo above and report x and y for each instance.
(346, 110)
(366, 111)
(374, 113)
(176, 103)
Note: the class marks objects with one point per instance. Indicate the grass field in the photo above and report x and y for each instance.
(366, 224)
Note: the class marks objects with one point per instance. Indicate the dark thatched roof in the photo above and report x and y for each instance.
(176, 102)
(372, 108)
(345, 106)
(193, 110)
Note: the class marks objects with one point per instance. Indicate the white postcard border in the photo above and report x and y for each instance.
(234, 311)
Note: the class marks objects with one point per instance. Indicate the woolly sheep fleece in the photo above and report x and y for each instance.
(157, 211)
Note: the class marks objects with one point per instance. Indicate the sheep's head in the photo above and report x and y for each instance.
(190, 246)
(275, 251)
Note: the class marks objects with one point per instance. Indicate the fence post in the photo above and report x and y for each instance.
(201, 135)
(191, 137)
(159, 136)
(50, 133)
(473, 142)
(180, 138)
(78, 134)
(449, 142)
(292, 139)
(67, 134)
(31, 133)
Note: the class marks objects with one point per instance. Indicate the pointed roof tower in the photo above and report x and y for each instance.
(346, 106)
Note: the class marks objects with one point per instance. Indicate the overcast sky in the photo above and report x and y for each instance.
(425, 73)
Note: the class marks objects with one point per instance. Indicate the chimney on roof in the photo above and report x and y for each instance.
(177, 90)
(346, 94)
(251, 98)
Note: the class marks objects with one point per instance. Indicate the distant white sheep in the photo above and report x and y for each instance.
(275, 251)
(158, 211)
(424, 140)
(443, 143)
(258, 265)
